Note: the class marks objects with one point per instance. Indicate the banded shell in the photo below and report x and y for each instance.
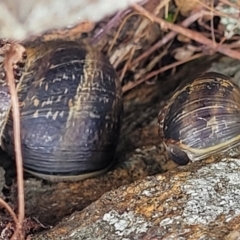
(71, 111)
(202, 119)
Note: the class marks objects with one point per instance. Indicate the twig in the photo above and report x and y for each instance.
(127, 63)
(9, 209)
(114, 21)
(119, 30)
(111, 23)
(13, 56)
(198, 37)
(212, 24)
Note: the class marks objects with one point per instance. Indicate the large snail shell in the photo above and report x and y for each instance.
(202, 119)
(70, 110)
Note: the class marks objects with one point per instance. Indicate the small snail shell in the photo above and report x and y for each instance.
(202, 119)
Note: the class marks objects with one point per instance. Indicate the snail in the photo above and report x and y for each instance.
(70, 111)
(202, 119)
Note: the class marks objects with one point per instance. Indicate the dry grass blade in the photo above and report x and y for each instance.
(13, 56)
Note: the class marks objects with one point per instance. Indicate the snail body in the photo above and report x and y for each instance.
(202, 119)
(70, 111)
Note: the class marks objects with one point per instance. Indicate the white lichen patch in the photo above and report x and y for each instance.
(231, 24)
(213, 191)
(113, 226)
(126, 223)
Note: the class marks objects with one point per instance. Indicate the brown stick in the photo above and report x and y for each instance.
(8, 208)
(13, 56)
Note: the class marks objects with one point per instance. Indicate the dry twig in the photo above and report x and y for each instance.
(13, 56)
(9, 209)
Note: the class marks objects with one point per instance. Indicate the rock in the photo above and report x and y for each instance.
(23, 18)
(197, 201)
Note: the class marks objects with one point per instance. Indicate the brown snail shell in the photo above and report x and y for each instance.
(202, 119)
